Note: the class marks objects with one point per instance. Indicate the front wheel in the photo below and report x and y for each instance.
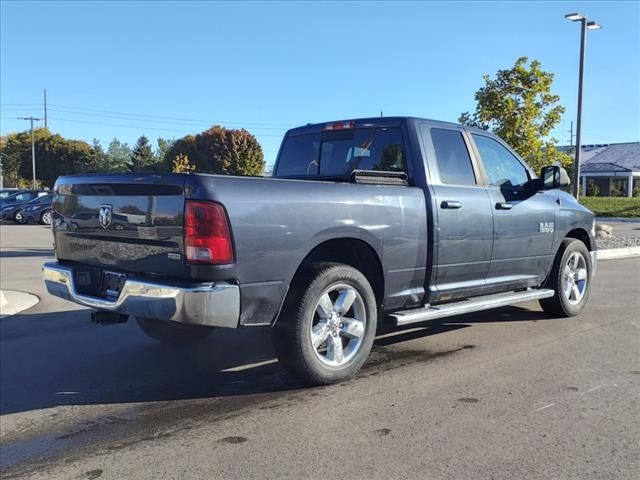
(172, 332)
(570, 278)
(327, 325)
(45, 218)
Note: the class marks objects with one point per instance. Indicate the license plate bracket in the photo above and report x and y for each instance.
(112, 283)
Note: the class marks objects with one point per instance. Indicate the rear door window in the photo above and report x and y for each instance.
(24, 197)
(338, 153)
(452, 156)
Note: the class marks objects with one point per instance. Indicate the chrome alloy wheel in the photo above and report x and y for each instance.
(338, 326)
(46, 217)
(575, 278)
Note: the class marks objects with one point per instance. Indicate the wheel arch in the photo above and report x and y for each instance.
(582, 235)
(354, 252)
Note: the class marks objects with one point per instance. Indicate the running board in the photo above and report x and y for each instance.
(476, 304)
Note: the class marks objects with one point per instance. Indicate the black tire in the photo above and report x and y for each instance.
(45, 217)
(292, 335)
(18, 217)
(560, 305)
(173, 332)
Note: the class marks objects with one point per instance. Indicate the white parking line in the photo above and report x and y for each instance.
(241, 368)
(594, 389)
(545, 407)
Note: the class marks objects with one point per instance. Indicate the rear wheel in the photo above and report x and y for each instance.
(45, 218)
(172, 332)
(328, 324)
(18, 217)
(570, 278)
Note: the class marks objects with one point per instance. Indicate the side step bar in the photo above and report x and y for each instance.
(476, 304)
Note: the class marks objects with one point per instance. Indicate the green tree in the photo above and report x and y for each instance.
(518, 106)
(55, 156)
(118, 157)
(142, 157)
(99, 156)
(222, 151)
(162, 148)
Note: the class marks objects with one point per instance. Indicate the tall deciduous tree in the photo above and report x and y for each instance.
(222, 151)
(55, 156)
(518, 106)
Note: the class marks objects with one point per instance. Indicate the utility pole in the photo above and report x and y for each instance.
(2, 155)
(33, 147)
(571, 136)
(45, 109)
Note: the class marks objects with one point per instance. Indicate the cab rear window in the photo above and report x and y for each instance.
(338, 153)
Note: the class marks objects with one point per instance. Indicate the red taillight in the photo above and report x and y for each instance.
(340, 126)
(206, 233)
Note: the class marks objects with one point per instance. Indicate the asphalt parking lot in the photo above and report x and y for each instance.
(503, 394)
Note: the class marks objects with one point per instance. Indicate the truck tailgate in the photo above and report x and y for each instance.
(124, 222)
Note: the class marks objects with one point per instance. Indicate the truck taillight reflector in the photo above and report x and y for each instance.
(206, 233)
(340, 126)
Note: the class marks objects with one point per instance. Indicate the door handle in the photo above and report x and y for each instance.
(503, 206)
(451, 204)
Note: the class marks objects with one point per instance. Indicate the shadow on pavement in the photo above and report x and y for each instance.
(61, 358)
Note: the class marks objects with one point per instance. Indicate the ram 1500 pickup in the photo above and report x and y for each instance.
(397, 219)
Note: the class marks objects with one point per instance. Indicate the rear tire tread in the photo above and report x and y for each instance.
(290, 329)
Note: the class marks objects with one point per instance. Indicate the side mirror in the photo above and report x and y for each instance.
(553, 176)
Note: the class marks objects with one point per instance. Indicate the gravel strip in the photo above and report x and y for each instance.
(617, 242)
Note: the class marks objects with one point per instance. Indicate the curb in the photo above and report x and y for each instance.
(613, 253)
(12, 302)
(618, 219)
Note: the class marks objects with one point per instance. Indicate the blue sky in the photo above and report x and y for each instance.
(119, 69)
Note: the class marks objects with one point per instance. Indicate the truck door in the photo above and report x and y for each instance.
(463, 219)
(523, 219)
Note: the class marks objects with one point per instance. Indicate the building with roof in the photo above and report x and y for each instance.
(613, 168)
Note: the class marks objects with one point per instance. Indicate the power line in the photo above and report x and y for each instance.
(170, 122)
(22, 104)
(137, 127)
(162, 117)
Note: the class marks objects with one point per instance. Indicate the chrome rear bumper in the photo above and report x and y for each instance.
(207, 304)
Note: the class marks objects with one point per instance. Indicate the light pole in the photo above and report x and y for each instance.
(585, 25)
(2, 155)
(33, 147)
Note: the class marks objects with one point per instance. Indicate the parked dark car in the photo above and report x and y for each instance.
(38, 210)
(399, 219)
(7, 192)
(22, 196)
(12, 208)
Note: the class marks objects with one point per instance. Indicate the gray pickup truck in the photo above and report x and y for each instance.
(398, 219)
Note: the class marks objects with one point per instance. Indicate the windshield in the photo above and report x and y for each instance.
(336, 154)
(7, 193)
(16, 197)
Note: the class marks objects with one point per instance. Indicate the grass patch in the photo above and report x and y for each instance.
(613, 206)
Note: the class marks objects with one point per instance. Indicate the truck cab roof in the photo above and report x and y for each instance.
(373, 122)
